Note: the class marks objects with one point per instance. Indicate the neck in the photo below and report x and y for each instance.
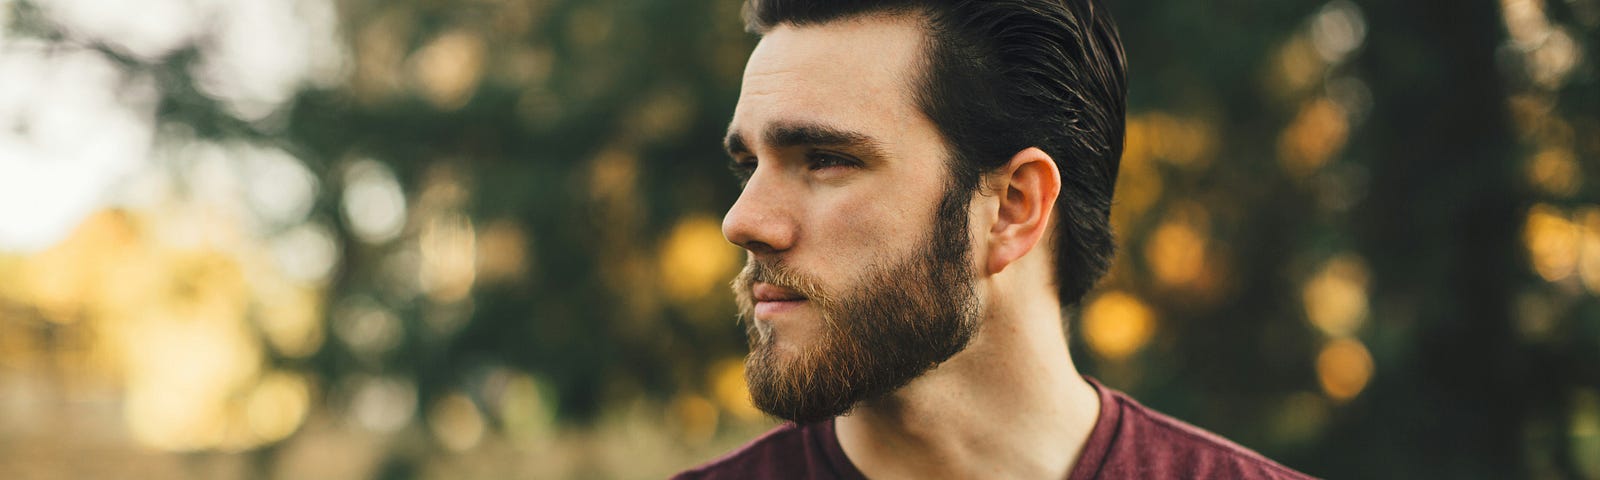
(1012, 405)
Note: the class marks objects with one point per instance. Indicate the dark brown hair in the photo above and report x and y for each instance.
(1005, 75)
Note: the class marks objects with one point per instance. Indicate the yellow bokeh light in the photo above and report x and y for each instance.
(1138, 182)
(502, 252)
(1589, 252)
(1299, 67)
(181, 371)
(448, 68)
(1117, 324)
(381, 404)
(277, 406)
(64, 280)
(174, 308)
(379, 47)
(1343, 368)
(165, 305)
(695, 259)
(290, 317)
(1176, 252)
(1137, 144)
(1336, 298)
(1317, 133)
(695, 416)
(1552, 241)
(449, 257)
(1530, 114)
(1555, 171)
(730, 391)
(456, 422)
(1550, 52)
(1179, 141)
(1157, 136)
(614, 173)
(1525, 20)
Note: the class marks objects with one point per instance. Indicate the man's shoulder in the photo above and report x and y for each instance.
(783, 452)
(1152, 444)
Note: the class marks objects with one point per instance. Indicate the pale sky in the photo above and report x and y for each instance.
(72, 127)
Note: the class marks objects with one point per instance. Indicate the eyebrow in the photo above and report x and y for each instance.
(786, 134)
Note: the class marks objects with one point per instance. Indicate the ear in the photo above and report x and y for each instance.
(1026, 188)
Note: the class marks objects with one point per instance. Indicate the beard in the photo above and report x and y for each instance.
(899, 320)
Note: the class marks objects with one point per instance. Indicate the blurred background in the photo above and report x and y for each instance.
(480, 238)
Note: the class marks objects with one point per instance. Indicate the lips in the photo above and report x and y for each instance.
(766, 292)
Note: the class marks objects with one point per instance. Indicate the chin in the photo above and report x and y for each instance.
(791, 330)
(786, 344)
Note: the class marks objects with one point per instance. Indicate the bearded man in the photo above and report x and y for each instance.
(926, 184)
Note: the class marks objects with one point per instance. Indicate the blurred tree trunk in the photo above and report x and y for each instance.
(1441, 225)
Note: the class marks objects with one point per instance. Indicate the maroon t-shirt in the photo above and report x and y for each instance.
(1128, 441)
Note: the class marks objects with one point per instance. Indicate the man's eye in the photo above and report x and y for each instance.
(743, 169)
(822, 160)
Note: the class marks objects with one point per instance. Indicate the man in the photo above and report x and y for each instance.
(926, 184)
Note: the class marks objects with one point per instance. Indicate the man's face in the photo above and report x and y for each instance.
(859, 276)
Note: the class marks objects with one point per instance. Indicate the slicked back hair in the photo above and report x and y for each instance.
(1000, 76)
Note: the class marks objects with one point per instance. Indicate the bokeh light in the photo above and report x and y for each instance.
(1589, 252)
(1117, 324)
(1553, 242)
(526, 411)
(730, 391)
(382, 405)
(1344, 366)
(1336, 298)
(1176, 251)
(1312, 139)
(456, 421)
(448, 68)
(696, 259)
(373, 203)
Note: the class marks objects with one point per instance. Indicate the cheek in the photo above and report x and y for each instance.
(880, 226)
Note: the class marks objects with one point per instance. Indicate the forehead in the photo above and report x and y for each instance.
(854, 74)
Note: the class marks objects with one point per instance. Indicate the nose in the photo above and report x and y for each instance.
(762, 219)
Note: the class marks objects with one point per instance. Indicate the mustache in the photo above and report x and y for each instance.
(777, 274)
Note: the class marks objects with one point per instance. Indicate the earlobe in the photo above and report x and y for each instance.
(1027, 188)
